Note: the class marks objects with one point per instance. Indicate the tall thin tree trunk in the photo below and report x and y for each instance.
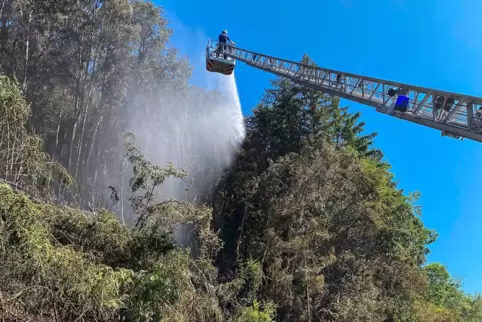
(81, 139)
(94, 136)
(72, 140)
(122, 190)
(27, 49)
(1, 11)
(93, 59)
(76, 110)
(97, 162)
(59, 122)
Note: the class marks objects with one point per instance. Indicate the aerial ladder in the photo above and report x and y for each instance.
(455, 115)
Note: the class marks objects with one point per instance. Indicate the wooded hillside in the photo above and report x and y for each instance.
(306, 225)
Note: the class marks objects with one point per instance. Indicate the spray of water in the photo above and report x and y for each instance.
(199, 130)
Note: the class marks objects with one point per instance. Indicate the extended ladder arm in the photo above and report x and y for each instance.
(456, 115)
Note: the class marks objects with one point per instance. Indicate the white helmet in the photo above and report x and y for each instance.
(225, 31)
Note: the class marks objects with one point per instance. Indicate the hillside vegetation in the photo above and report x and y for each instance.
(306, 225)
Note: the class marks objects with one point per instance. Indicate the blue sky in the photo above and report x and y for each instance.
(432, 43)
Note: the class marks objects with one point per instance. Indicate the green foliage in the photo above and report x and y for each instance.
(42, 275)
(63, 264)
(169, 214)
(444, 301)
(147, 176)
(23, 161)
(254, 313)
(309, 198)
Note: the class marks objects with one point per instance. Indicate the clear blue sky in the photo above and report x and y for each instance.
(432, 43)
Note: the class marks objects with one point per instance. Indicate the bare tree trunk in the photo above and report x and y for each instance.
(71, 148)
(27, 48)
(76, 113)
(94, 136)
(93, 59)
(1, 10)
(122, 190)
(80, 92)
(81, 138)
(98, 161)
(59, 122)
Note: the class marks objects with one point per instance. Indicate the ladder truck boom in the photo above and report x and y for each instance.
(456, 115)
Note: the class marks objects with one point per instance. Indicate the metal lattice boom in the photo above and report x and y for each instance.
(456, 115)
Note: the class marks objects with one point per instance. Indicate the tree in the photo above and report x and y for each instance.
(444, 299)
(23, 161)
(313, 203)
(290, 118)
